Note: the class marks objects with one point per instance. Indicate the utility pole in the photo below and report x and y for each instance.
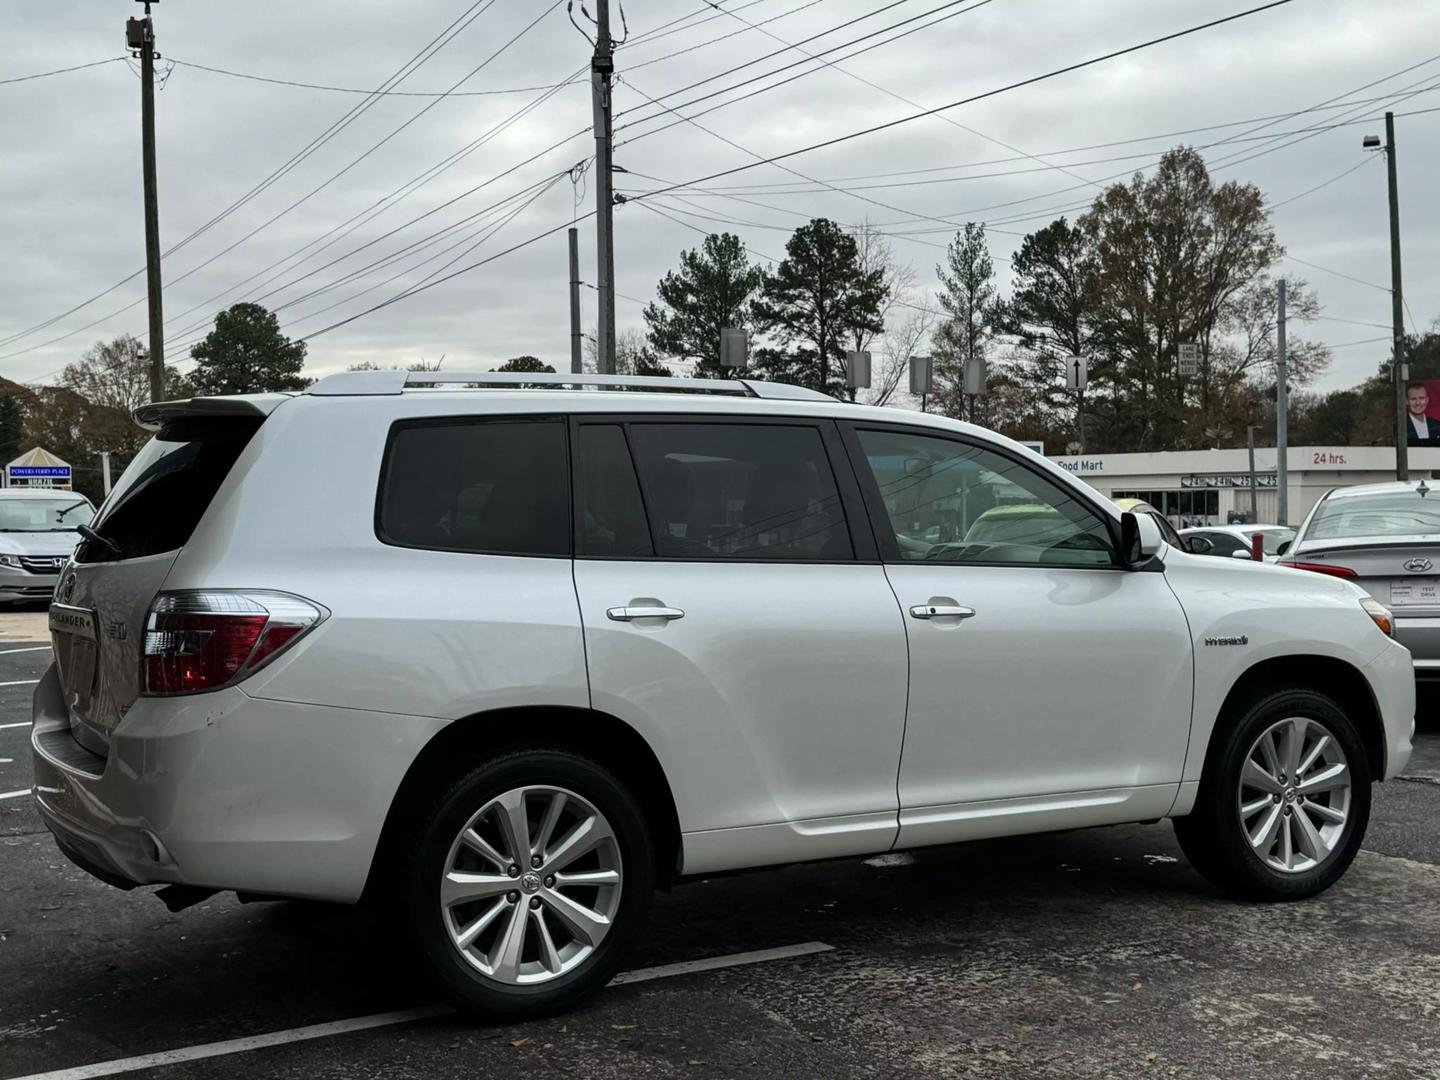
(602, 67)
(1250, 445)
(1397, 309)
(1282, 412)
(140, 37)
(575, 361)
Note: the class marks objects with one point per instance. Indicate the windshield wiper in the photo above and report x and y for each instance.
(104, 541)
(73, 506)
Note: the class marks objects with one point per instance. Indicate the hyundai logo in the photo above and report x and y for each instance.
(1417, 566)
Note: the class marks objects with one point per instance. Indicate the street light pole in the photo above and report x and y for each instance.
(1397, 308)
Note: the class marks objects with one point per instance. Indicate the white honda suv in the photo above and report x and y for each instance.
(511, 651)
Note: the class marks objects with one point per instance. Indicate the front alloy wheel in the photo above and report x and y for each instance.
(1294, 795)
(531, 886)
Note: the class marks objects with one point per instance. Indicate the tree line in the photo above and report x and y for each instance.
(1162, 260)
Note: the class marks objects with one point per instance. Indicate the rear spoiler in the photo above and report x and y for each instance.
(153, 416)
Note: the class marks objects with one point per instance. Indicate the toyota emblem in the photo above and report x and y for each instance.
(1417, 566)
(67, 586)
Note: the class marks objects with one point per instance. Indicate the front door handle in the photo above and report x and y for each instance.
(938, 611)
(627, 614)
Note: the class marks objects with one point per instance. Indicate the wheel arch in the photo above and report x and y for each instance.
(1327, 675)
(601, 737)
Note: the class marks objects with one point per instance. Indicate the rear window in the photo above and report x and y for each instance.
(1404, 513)
(165, 491)
(497, 487)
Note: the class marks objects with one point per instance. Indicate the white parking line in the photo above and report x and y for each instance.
(28, 648)
(403, 1016)
(21, 682)
(22, 723)
(13, 794)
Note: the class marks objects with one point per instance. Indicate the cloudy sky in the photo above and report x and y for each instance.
(70, 187)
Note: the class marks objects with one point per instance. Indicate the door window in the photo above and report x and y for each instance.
(611, 515)
(495, 487)
(952, 501)
(1225, 544)
(740, 491)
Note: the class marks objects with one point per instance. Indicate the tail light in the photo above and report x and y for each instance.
(205, 639)
(1321, 568)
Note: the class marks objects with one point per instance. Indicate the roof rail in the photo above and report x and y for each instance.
(350, 383)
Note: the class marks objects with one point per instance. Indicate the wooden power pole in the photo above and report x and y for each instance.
(140, 38)
(602, 67)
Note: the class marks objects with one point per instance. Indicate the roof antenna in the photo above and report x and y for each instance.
(1422, 490)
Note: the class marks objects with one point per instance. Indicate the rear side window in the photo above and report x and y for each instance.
(740, 491)
(163, 494)
(611, 512)
(498, 487)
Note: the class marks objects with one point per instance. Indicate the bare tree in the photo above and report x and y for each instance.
(904, 337)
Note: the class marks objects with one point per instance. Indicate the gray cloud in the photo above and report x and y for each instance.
(70, 190)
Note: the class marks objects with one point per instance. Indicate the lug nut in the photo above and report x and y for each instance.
(534, 901)
(1287, 811)
(514, 871)
(1282, 778)
(535, 861)
(514, 897)
(550, 882)
(1275, 798)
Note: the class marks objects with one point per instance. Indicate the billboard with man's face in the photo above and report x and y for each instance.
(1422, 413)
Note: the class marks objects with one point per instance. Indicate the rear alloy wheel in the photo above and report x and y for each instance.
(532, 885)
(1284, 800)
(528, 881)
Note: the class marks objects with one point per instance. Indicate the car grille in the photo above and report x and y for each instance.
(42, 564)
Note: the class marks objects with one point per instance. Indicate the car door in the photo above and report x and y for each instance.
(1049, 687)
(737, 616)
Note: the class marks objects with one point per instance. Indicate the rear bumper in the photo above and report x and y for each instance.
(225, 791)
(1392, 680)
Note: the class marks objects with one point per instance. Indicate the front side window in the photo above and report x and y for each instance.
(950, 501)
(610, 511)
(740, 491)
(1225, 544)
(498, 487)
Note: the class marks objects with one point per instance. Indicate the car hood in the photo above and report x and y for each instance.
(38, 543)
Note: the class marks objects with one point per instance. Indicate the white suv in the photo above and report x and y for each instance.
(512, 655)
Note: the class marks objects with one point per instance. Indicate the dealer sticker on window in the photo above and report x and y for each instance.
(1415, 592)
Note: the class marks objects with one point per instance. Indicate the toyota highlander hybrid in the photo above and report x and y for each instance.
(508, 656)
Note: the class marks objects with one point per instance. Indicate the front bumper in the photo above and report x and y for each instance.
(23, 585)
(1392, 681)
(225, 791)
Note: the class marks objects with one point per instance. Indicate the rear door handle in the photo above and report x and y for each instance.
(627, 614)
(936, 611)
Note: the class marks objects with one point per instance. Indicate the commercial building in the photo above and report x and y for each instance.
(1212, 487)
(37, 468)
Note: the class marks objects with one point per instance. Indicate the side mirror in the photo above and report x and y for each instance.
(1199, 545)
(1241, 554)
(1140, 537)
(1284, 547)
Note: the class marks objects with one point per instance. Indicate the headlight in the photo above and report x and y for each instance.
(1380, 614)
(12, 561)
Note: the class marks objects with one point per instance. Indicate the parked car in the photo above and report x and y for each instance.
(1386, 539)
(37, 538)
(1233, 541)
(505, 660)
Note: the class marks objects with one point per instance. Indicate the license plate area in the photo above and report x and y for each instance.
(72, 634)
(1415, 592)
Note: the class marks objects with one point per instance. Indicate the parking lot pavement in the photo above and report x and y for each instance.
(1077, 954)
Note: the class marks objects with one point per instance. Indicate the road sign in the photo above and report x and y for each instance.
(921, 377)
(975, 377)
(857, 368)
(734, 347)
(1077, 373)
(1189, 356)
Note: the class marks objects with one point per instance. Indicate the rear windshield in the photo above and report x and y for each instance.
(163, 494)
(1401, 513)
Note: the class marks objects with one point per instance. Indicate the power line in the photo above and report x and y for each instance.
(1336, 273)
(59, 71)
(984, 94)
(1310, 191)
(362, 90)
(723, 37)
(910, 101)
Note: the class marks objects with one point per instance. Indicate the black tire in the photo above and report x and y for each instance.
(436, 828)
(1211, 835)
